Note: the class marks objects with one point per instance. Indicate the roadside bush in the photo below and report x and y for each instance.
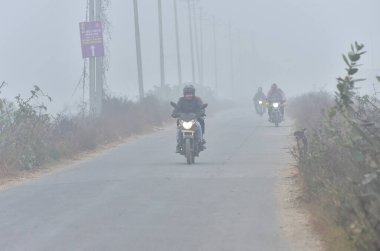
(24, 139)
(30, 137)
(341, 168)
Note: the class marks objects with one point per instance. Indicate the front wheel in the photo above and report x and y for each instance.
(277, 119)
(188, 152)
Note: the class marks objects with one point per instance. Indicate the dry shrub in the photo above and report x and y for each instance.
(29, 137)
(24, 131)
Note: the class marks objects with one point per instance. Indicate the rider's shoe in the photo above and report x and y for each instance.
(178, 149)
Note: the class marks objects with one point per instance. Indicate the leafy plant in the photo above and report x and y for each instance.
(342, 169)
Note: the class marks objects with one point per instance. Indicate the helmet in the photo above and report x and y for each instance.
(274, 86)
(260, 89)
(189, 90)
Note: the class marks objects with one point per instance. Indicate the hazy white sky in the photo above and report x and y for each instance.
(295, 43)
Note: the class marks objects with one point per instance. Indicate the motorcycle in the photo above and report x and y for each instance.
(275, 115)
(260, 107)
(187, 123)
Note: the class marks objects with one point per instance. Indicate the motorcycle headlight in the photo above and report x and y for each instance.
(276, 105)
(188, 125)
(260, 102)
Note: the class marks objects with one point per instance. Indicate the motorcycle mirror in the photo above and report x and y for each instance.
(173, 104)
(204, 106)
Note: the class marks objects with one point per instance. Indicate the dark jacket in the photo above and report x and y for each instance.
(189, 106)
(276, 96)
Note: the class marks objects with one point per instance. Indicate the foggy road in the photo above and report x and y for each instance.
(142, 196)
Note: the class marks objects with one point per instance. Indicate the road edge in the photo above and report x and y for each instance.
(294, 217)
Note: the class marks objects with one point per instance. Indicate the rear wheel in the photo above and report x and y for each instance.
(188, 152)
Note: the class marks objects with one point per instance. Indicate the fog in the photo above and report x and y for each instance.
(295, 43)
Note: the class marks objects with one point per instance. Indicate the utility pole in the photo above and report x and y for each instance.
(201, 45)
(197, 45)
(99, 68)
(138, 51)
(177, 42)
(96, 69)
(253, 60)
(241, 71)
(191, 41)
(231, 60)
(162, 58)
(92, 66)
(215, 57)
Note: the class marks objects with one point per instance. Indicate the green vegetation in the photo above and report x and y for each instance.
(342, 166)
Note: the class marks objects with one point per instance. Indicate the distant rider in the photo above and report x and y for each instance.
(259, 96)
(275, 94)
(190, 103)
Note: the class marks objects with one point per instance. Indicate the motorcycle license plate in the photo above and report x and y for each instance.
(188, 133)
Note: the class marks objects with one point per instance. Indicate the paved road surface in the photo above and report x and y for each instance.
(142, 196)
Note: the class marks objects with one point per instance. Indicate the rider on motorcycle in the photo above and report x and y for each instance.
(259, 96)
(275, 94)
(190, 103)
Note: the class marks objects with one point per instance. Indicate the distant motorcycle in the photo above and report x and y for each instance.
(275, 115)
(187, 125)
(260, 107)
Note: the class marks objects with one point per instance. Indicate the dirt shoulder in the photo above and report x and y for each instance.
(11, 178)
(295, 218)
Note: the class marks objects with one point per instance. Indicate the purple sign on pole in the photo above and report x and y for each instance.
(91, 35)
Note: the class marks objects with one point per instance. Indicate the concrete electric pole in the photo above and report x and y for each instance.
(197, 45)
(215, 56)
(99, 90)
(177, 43)
(162, 57)
(231, 60)
(96, 69)
(201, 45)
(191, 42)
(138, 51)
(92, 66)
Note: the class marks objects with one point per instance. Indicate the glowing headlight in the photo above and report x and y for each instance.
(275, 105)
(260, 102)
(188, 125)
